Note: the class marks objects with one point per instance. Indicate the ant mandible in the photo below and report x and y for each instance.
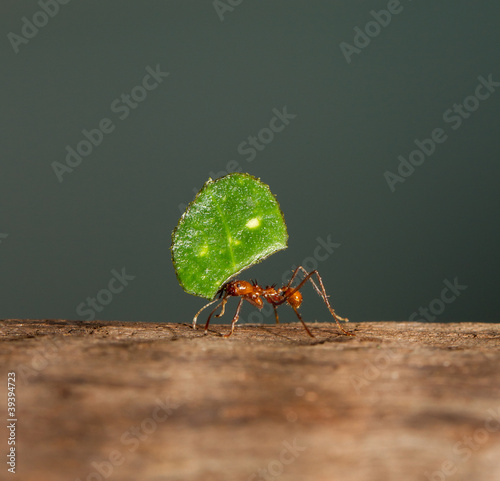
(253, 293)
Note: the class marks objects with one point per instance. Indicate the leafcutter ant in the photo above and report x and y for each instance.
(253, 293)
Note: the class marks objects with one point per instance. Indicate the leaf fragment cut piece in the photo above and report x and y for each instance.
(233, 223)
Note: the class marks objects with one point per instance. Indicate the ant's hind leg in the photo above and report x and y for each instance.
(302, 321)
(294, 275)
(307, 276)
(316, 288)
(321, 292)
(324, 296)
(235, 318)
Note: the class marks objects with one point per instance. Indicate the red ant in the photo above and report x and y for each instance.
(252, 293)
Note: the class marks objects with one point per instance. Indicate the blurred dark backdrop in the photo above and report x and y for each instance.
(68, 226)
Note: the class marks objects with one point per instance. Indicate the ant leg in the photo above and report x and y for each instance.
(222, 303)
(223, 310)
(325, 299)
(294, 275)
(235, 318)
(195, 318)
(276, 314)
(321, 292)
(302, 321)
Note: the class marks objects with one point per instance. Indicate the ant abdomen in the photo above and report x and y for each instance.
(292, 298)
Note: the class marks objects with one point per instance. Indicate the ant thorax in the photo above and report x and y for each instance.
(272, 295)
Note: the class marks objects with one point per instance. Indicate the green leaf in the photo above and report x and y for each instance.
(233, 223)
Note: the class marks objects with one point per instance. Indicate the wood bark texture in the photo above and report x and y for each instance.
(133, 401)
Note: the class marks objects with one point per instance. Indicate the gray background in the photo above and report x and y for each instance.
(117, 209)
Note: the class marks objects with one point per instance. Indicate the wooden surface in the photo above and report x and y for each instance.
(158, 402)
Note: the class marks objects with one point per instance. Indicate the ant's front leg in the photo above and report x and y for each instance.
(195, 318)
(223, 310)
(223, 304)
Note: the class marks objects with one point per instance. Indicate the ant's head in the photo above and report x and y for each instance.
(239, 288)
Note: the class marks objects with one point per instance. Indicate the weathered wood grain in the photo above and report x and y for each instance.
(150, 402)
